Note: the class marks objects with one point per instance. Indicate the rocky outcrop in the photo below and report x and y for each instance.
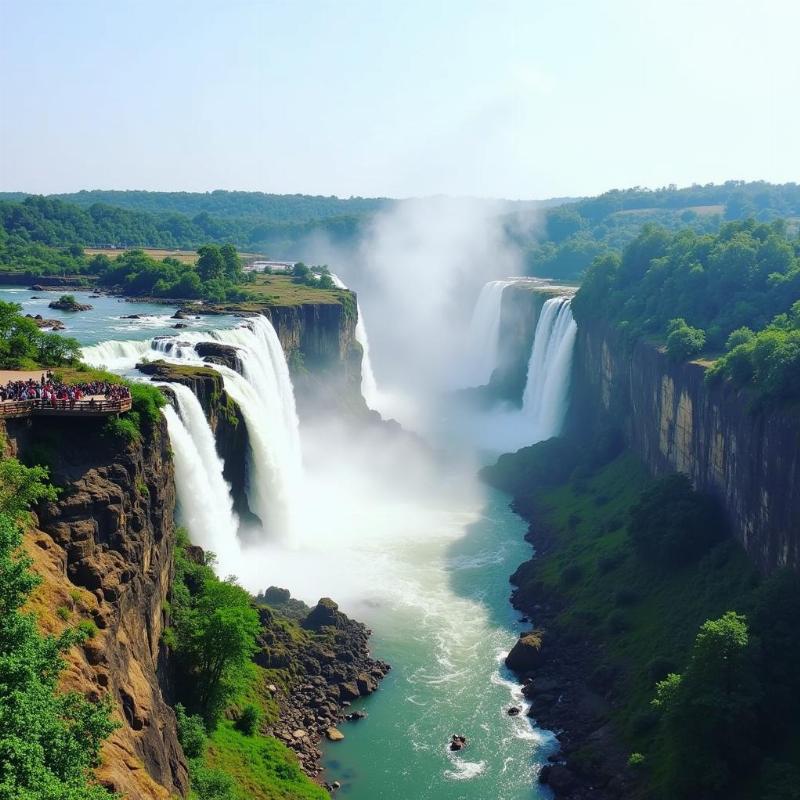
(105, 552)
(745, 455)
(332, 667)
(46, 324)
(67, 304)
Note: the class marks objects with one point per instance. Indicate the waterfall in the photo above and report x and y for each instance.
(265, 396)
(369, 386)
(117, 356)
(264, 393)
(544, 400)
(204, 497)
(483, 336)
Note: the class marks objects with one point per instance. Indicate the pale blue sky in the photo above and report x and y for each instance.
(506, 99)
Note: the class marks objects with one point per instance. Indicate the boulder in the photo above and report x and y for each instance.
(513, 711)
(334, 735)
(526, 654)
(324, 614)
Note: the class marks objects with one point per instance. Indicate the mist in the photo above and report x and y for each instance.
(417, 271)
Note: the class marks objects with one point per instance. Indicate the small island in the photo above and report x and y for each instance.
(67, 302)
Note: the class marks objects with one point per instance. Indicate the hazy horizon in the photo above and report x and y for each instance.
(512, 100)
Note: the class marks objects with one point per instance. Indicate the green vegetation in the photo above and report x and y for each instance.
(700, 653)
(216, 277)
(736, 291)
(24, 346)
(49, 740)
(577, 233)
(223, 696)
(29, 225)
(144, 415)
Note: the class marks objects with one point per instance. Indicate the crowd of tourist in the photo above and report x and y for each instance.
(49, 391)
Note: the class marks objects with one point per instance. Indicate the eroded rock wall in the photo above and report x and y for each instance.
(105, 551)
(746, 456)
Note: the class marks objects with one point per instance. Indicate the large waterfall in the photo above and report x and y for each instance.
(204, 497)
(265, 395)
(546, 392)
(483, 336)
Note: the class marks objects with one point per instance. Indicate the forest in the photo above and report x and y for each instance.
(576, 233)
(573, 233)
(731, 296)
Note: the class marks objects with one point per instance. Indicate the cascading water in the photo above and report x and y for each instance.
(117, 356)
(369, 386)
(265, 395)
(545, 397)
(483, 336)
(204, 497)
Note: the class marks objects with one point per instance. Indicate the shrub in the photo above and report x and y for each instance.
(191, 732)
(737, 337)
(249, 720)
(684, 342)
(63, 612)
(635, 760)
(87, 628)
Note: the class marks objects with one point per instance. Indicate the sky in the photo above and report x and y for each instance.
(518, 99)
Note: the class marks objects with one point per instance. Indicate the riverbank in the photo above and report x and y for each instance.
(614, 624)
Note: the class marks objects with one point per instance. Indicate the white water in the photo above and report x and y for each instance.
(265, 395)
(544, 400)
(204, 497)
(483, 336)
(369, 386)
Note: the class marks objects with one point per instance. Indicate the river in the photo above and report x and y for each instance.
(411, 544)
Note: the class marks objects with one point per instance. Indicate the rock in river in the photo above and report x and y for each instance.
(526, 654)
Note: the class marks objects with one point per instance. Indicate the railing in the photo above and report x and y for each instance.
(65, 408)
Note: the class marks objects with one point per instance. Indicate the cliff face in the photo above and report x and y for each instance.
(519, 312)
(749, 459)
(319, 341)
(105, 551)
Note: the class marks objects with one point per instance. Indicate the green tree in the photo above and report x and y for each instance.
(709, 712)
(233, 264)
(214, 637)
(210, 264)
(683, 341)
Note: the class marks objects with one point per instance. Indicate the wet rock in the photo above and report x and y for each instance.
(457, 742)
(180, 325)
(526, 654)
(513, 711)
(334, 735)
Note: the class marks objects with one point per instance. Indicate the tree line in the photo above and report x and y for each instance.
(734, 296)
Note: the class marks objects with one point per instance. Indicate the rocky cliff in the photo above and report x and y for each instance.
(746, 456)
(319, 341)
(105, 551)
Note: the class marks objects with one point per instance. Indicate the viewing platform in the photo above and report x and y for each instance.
(91, 407)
